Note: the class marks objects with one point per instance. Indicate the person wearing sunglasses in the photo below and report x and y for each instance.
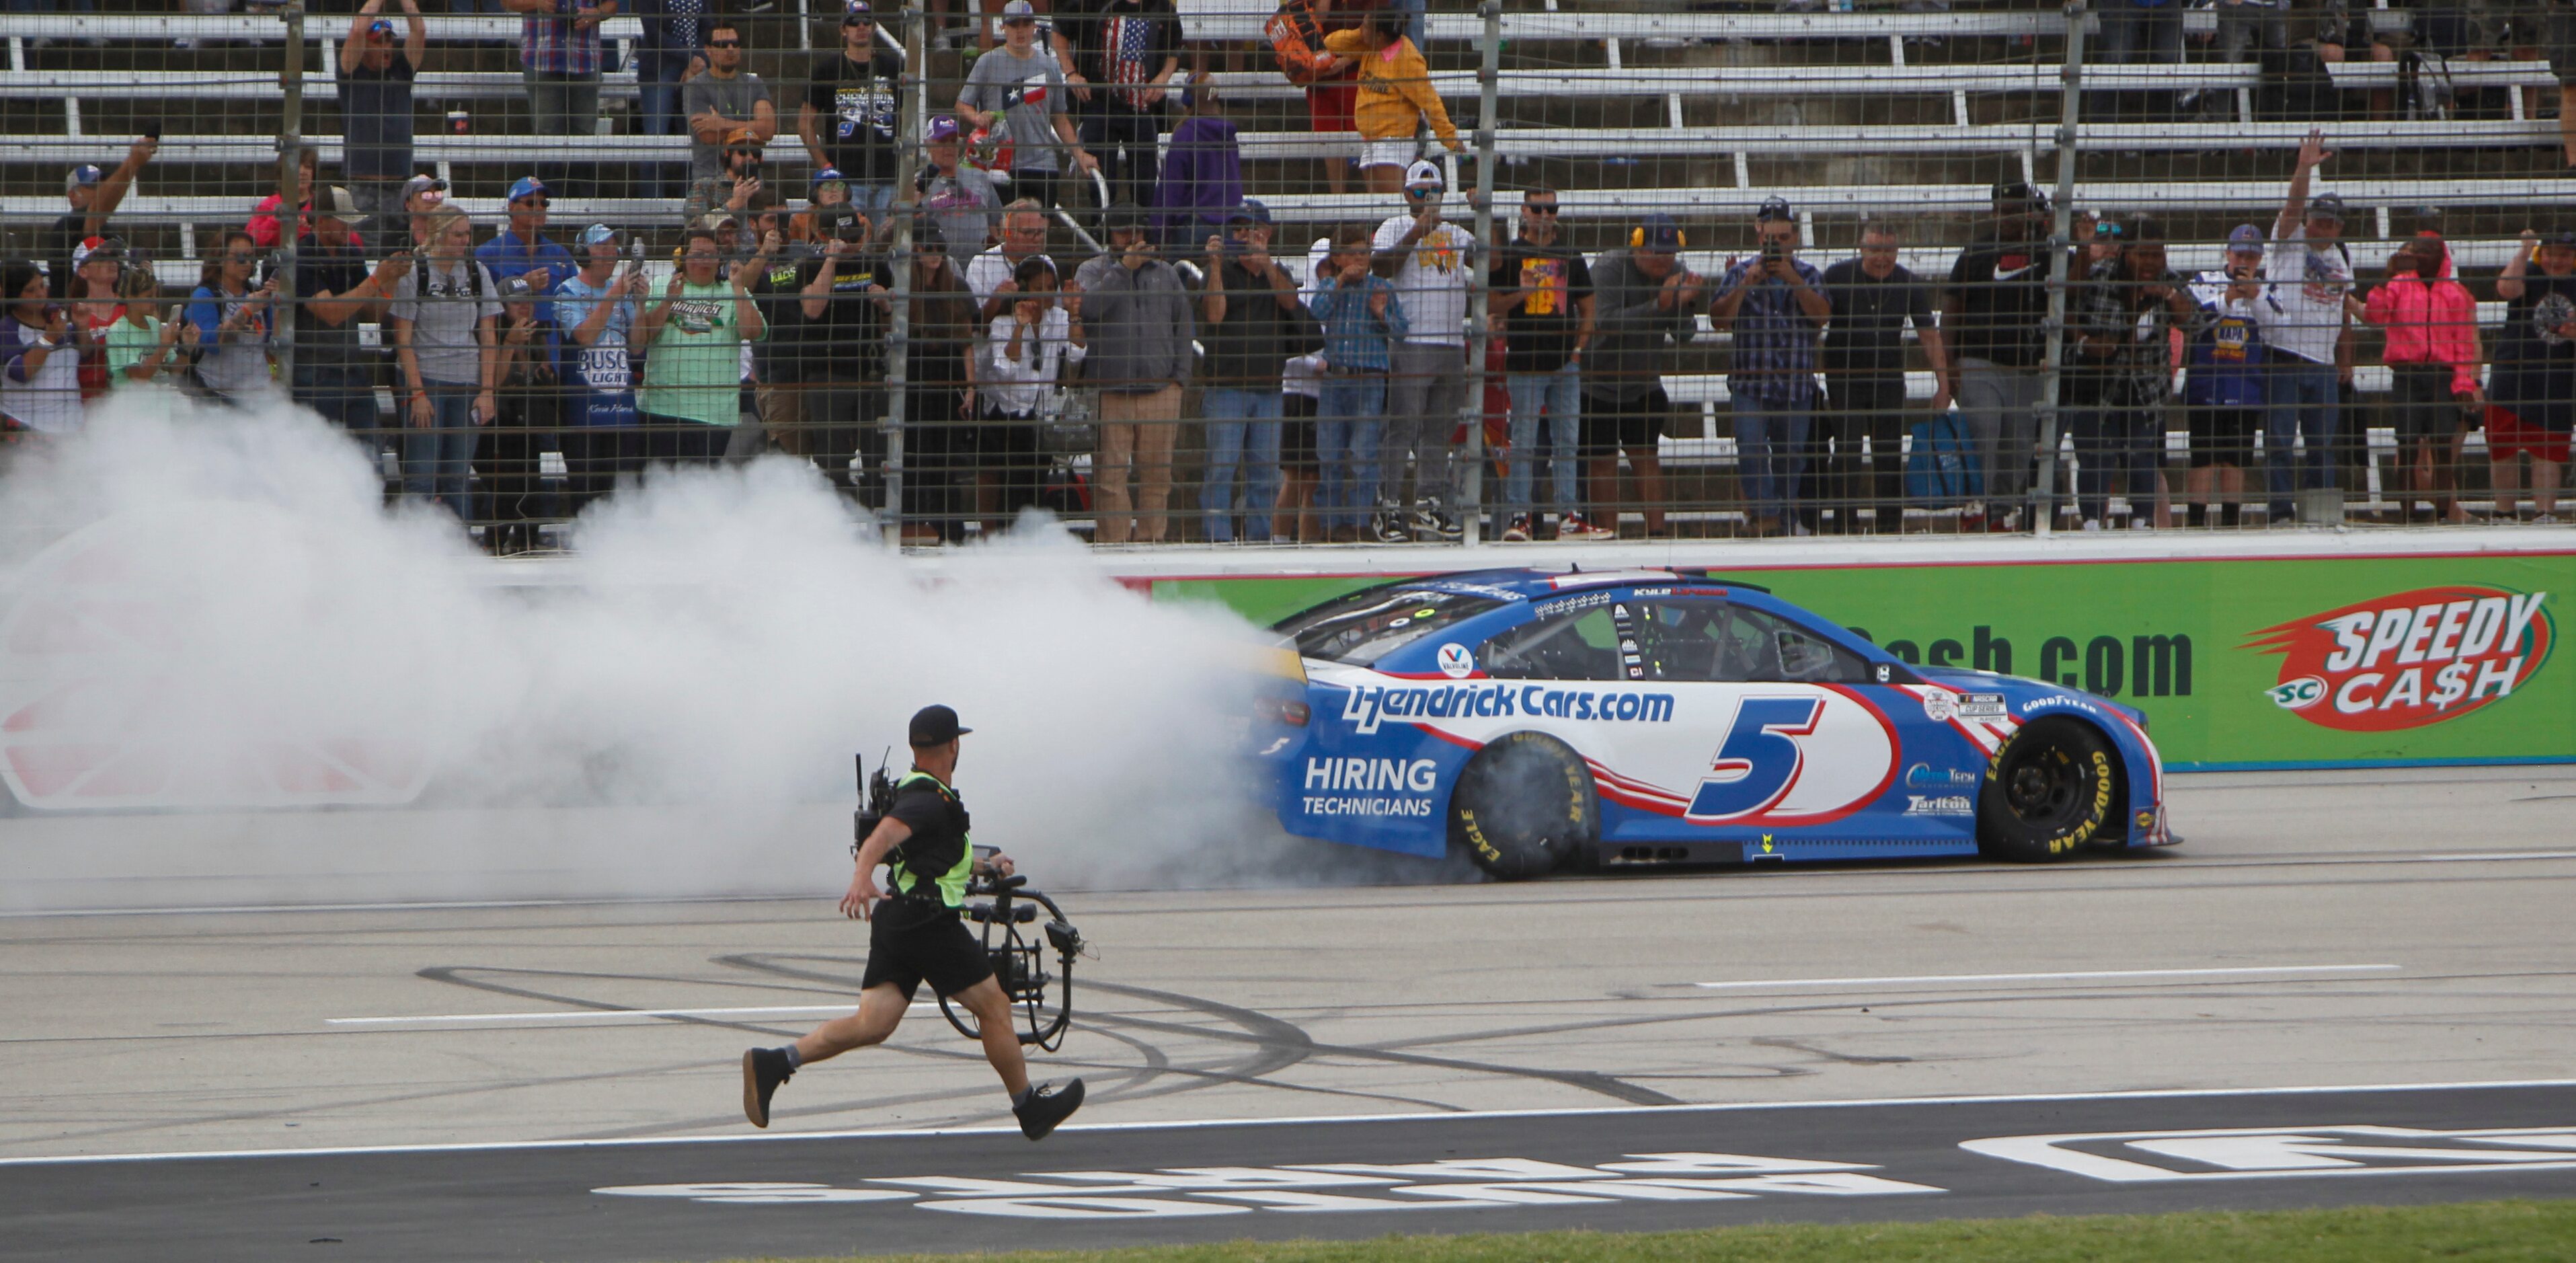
(233, 312)
(853, 105)
(376, 73)
(521, 250)
(1541, 290)
(725, 99)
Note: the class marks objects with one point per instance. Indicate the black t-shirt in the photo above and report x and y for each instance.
(2002, 291)
(856, 113)
(1086, 25)
(846, 344)
(1249, 348)
(2535, 365)
(938, 822)
(320, 269)
(376, 121)
(1539, 334)
(1868, 331)
(782, 316)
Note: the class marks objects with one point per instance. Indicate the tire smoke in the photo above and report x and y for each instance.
(228, 676)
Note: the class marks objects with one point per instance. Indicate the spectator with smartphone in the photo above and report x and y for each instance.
(1141, 326)
(232, 353)
(841, 303)
(2432, 355)
(737, 190)
(1776, 306)
(693, 368)
(2533, 404)
(1251, 320)
(142, 346)
(529, 421)
(1028, 346)
(1363, 319)
(446, 314)
(2122, 321)
(1428, 259)
(94, 194)
(1643, 303)
(521, 248)
(596, 310)
(376, 75)
(2224, 404)
(992, 276)
(39, 366)
(96, 267)
(2307, 310)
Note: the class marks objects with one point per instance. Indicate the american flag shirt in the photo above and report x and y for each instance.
(548, 43)
(1128, 43)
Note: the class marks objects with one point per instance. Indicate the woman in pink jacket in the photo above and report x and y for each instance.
(2432, 355)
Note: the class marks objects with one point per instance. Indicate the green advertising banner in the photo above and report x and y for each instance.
(2309, 662)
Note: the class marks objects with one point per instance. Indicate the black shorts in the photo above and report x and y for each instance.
(1612, 426)
(2419, 397)
(1297, 433)
(911, 942)
(2223, 436)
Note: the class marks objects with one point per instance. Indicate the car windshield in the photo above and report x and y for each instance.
(1367, 625)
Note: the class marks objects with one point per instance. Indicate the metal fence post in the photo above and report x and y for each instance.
(2043, 495)
(910, 120)
(290, 146)
(1479, 296)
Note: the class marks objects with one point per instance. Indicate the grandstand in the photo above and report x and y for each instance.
(1697, 111)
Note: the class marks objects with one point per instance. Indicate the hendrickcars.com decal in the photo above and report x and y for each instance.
(2410, 658)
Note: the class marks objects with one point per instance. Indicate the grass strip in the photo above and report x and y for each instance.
(2489, 1232)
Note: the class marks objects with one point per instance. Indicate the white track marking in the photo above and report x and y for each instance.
(587, 1015)
(1204, 1124)
(2094, 975)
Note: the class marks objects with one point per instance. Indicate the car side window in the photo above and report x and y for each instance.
(1582, 646)
(1716, 642)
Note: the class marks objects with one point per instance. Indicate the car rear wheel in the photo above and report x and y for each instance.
(1523, 806)
(2054, 787)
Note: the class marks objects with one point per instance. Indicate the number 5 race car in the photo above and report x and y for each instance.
(1531, 719)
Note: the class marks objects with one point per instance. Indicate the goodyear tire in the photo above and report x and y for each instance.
(1523, 806)
(2053, 788)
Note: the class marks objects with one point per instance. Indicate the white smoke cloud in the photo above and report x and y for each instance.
(212, 611)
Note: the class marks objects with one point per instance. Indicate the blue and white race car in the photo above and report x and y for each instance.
(1530, 719)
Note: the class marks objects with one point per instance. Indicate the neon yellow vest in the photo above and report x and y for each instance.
(951, 884)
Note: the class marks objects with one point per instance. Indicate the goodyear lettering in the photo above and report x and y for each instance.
(1369, 706)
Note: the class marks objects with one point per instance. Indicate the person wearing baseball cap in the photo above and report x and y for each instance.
(917, 934)
(422, 195)
(93, 194)
(1017, 92)
(1140, 323)
(2531, 402)
(1428, 259)
(740, 187)
(963, 206)
(334, 294)
(2223, 405)
(1645, 298)
(1992, 313)
(852, 109)
(2308, 304)
(1774, 303)
(522, 249)
(376, 75)
(597, 309)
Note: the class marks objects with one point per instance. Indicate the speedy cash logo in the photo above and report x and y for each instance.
(2409, 659)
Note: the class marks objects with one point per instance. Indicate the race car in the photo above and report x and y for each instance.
(1531, 719)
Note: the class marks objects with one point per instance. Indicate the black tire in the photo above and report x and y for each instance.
(2053, 788)
(1523, 806)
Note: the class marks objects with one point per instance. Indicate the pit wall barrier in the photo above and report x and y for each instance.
(2323, 652)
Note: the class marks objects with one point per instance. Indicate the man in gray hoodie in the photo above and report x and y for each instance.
(1641, 297)
(1137, 313)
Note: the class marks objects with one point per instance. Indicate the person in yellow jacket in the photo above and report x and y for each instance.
(1395, 97)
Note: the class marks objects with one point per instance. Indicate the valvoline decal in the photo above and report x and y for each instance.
(2409, 659)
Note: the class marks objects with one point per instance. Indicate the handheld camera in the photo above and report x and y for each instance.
(876, 798)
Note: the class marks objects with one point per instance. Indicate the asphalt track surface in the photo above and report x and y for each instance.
(2319, 929)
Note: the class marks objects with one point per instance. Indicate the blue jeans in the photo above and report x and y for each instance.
(1770, 453)
(2126, 443)
(872, 198)
(1242, 427)
(1348, 418)
(438, 462)
(2306, 399)
(657, 92)
(1557, 396)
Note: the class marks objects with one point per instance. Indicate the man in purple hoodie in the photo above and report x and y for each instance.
(1202, 174)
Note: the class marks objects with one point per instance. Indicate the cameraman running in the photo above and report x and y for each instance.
(916, 934)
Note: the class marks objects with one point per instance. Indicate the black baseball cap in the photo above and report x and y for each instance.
(2560, 237)
(935, 726)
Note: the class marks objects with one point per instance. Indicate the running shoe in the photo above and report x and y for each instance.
(1519, 530)
(1572, 526)
(1432, 522)
(763, 1069)
(1388, 526)
(1047, 1107)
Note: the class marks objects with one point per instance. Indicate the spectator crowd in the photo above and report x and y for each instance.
(1321, 391)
